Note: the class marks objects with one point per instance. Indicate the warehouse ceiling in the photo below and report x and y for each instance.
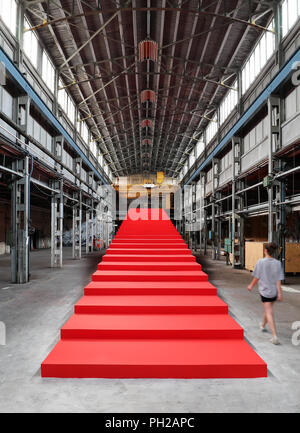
(201, 46)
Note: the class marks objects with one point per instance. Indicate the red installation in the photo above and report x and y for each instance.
(150, 312)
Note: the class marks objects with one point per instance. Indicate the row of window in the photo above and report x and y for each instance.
(8, 13)
(290, 14)
(259, 57)
(41, 61)
(251, 69)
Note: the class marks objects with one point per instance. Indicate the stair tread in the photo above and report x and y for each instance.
(199, 285)
(154, 266)
(149, 272)
(152, 300)
(159, 322)
(115, 357)
(145, 257)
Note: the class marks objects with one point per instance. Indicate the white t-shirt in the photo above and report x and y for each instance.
(268, 271)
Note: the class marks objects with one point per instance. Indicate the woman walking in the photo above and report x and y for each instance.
(268, 274)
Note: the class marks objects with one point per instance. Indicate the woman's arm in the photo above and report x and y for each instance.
(252, 284)
(279, 297)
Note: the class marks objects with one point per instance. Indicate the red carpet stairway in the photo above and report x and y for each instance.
(151, 312)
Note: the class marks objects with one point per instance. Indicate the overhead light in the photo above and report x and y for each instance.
(148, 96)
(149, 185)
(148, 50)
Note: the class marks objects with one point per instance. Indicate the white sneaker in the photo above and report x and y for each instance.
(274, 340)
(262, 328)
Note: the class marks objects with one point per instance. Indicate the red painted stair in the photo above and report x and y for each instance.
(151, 312)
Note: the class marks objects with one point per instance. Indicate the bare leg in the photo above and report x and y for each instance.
(265, 320)
(270, 317)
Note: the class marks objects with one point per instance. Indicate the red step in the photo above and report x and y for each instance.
(149, 266)
(149, 276)
(176, 358)
(158, 251)
(136, 245)
(149, 257)
(145, 304)
(96, 288)
(151, 326)
(179, 241)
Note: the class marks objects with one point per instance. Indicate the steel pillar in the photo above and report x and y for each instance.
(237, 221)
(89, 221)
(274, 111)
(57, 149)
(215, 222)
(77, 219)
(20, 205)
(23, 112)
(77, 167)
(57, 217)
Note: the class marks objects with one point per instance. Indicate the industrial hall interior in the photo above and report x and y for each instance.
(150, 206)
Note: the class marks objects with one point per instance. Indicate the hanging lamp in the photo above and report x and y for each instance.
(148, 96)
(148, 50)
(147, 123)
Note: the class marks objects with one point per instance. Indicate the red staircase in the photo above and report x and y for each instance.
(151, 312)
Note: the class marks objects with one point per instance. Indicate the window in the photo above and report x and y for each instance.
(48, 71)
(71, 110)
(62, 97)
(31, 44)
(228, 103)
(185, 168)
(93, 148)
(84, 132)
(212, 129)
(66, 103)
(8, 13)
(192, 158)
(100, 159)
(259, 57)
(290, 14)
(200, 147)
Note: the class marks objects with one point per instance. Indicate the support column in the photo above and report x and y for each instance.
(215, 220)
(77, 167)
(57, 217)
(89, 221)
(205, 229)
(57, 146)
(23, 112)
(274, 145)
(77, 219)
(193, 216)
(20, 205)
(218, 226)
(201, 210)
(237, 221)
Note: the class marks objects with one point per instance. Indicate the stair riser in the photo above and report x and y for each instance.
(150, 241)
(141, 291)
(160, 252)
(153, 258)
(146, 245)
(147, 267)
(151, 334)
(155, 371)
(149, 277)
(79, 309)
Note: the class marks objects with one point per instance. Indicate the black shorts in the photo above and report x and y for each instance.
(263, 299)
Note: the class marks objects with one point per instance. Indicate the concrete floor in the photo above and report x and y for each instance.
(34, 313)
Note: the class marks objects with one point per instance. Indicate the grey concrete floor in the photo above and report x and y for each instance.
(34, 313)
